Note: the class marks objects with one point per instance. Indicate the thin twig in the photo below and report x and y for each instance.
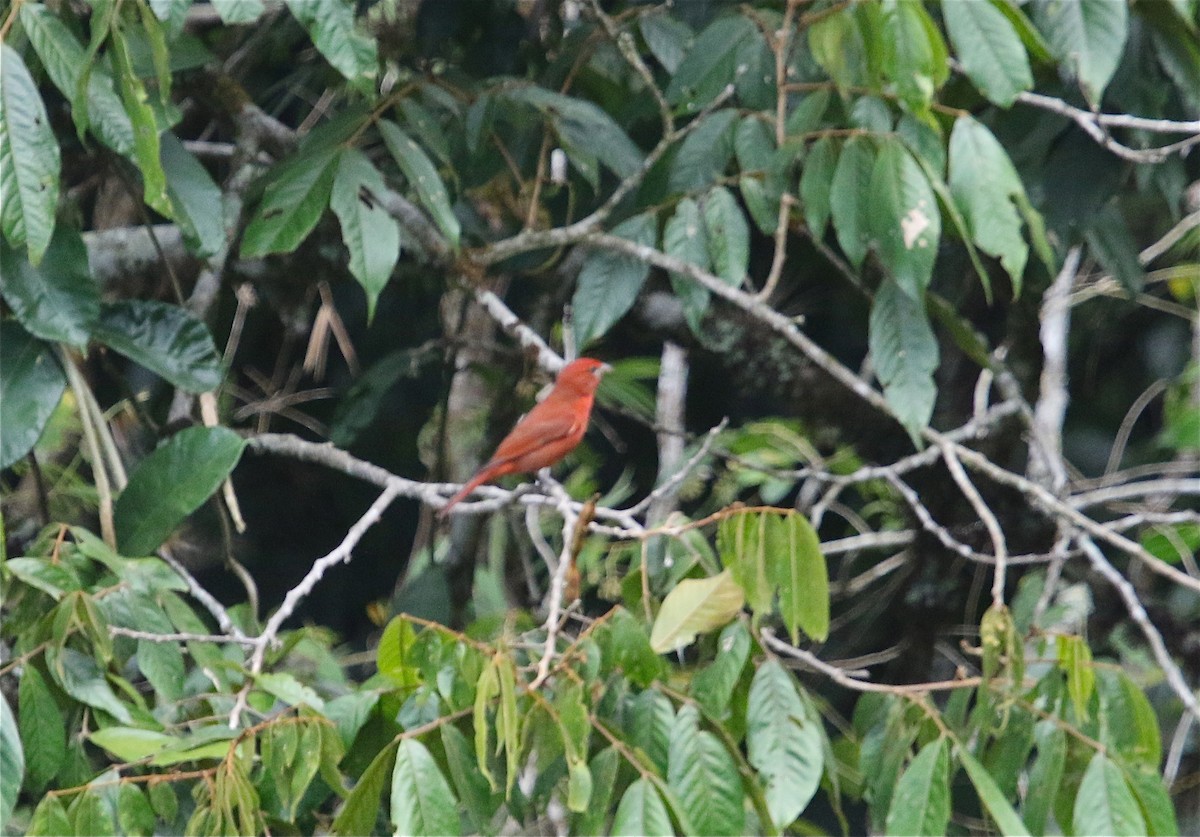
(1138, 613)
(558, 581)
(117, 630)
(680, 475)
(224, 622)
(848, 679)
(999, 545)
(1094, 125)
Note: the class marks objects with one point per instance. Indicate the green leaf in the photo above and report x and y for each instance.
(713, 685)
(508, 722)
(1154, 801)
(91, 815)
(163, 666)
(487, 689)
(694, 606)
(195, 198)
(350, 713)
(63, 57)
(49, 819)
(960, 329)
(1075, 659)
(303, 769)
(609, 283)
(837, 45)
(131, 743)
(642, 812)
(905, 352)
(30, 388)
(649, 720)
(851, 198)
(667, 37)
(288, 689)
(625, 646)
(704, 153)
(754, 144)
(146, 146)
(371, 235)
(579, 786)
(816, 185)
(921, 801)
(603, 768)
(809, 113)
(1176, 47)
(57, 300)
(331, 26)
(55, 579)
(391, 655)
(990, 50)
(796, 567)
(1046, 775)
(474, 793)
(292, 204)
(903, 218)
(171, 483)
(12, 760)
(728, 235)
(359, 812)
(423, 176)
(584, 126)
(43, 731)
(153, 36)
(992, 797)
(704, 777)
(1034, 43)
(29, 160)
(1129, 723)
(233, 12)
(784, 743)
(422, 802)
(134, 811)
(1113, 245)
(1088, 36)
(1104, 803)
(741, 542)
(685, 238)
(914, 53)
(82, 679)
(166, 339)
(988, 190)
(164, 801)
(211, 742)
(762, 204)
(724, 52)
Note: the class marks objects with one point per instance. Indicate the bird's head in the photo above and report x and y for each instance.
(583, 375)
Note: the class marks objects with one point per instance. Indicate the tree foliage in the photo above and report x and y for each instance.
(862, 578)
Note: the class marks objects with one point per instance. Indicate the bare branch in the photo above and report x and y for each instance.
(671, 403)
(1138, 613)
(999, 545)
(1045, 461)
(1094, 125)
(525, 336)
(680, 475)
(117, 630)
(340, 554)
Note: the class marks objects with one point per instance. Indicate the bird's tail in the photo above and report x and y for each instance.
(473, 483)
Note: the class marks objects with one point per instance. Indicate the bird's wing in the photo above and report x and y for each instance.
(547, 422)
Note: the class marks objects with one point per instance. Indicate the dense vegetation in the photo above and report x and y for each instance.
(887, 519)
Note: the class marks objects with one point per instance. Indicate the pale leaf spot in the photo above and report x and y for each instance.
(912, 225)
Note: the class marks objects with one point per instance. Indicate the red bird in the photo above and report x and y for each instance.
(548, 432)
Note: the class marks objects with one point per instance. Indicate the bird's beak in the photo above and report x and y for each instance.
(602, 370)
